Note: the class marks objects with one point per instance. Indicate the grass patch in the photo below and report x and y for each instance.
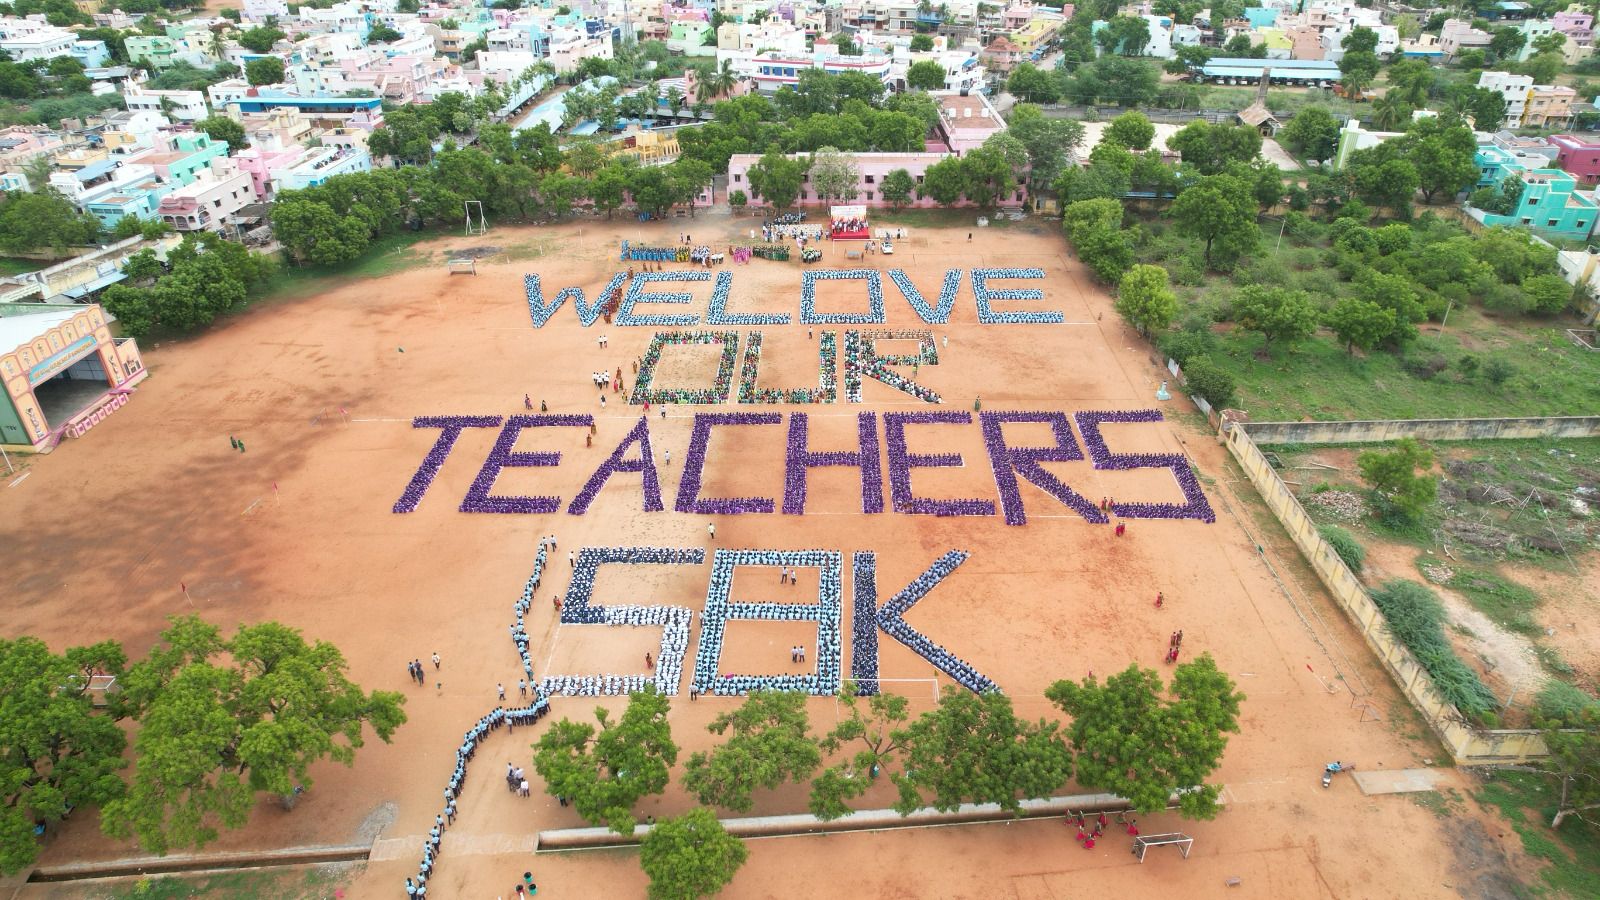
(1573, 853)
(1441, 803)
(16, 265)
(387, 255)
(310, 883)
(1510, 605)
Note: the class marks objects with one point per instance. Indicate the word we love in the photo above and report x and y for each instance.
(984, 295)
(1008, 464)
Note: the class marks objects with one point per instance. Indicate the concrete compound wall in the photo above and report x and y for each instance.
(1424, 429)
(1468, 745)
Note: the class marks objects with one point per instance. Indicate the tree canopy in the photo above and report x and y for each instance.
(1393, 477)
(603, 774)
(768, 743)
(1141, 740)
(56, 751)
(224, 720)
(690, 856)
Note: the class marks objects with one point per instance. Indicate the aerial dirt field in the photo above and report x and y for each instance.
(299, 529)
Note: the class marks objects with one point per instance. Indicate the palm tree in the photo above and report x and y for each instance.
(1390, 112)
(705, 83)
(651, 95)
(726, 79)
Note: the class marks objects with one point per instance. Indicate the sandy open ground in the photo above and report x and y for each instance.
(299, 529)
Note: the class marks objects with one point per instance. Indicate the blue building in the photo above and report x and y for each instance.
(1549, 205)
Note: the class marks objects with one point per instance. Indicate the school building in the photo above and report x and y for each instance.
(62, 372)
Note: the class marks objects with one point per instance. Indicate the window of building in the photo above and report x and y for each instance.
(919, 179)
(1551, 223)
(738, 178)
(1527, 220)
(870, 179)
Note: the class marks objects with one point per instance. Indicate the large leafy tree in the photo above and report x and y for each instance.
(1145, 300)
(835, 175)
(1132, 130)
(897, 187)
(1210, 148)
(56, 752)
(1278, 314)
(40, 219)
(221, 721)
(264, 70)
(1574, 762)
(777, 179)
(1219, 210)
(972, 748)
(1141, 740)
(1360, 323)
(261, 38)
(1094, 227)
(874, 736)
(768, 743)
(604, 773)
(1029, 83)
(945, 181)
(925, 75)
(222, 128)
(1050, 143)
(690, 856)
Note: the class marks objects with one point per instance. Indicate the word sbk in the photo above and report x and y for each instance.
(985, 296)
(1008, 463)
(707, 677)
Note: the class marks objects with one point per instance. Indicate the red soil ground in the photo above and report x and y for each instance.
(155, 496)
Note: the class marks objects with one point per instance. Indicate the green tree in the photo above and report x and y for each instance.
(1394, 480)
(604, 774)
(1241, 47)
(1360, 323)
(989, 175)
(1360, 40)
(1574, 762)
(921, 43)
(222, 128)
(1357, 70)
(737, 200)
(1030, 83)
(1312, 133)
(777, 179)
(1507, 43)
(972, 748)
(1132, 129)
(311, 231)
(1146, 742)
(835, 175)
(1144, 299)
(1442, 149)
(133, 308)
(1219, 210)
(690, 856)
(945, 181)
(1094, 227)
(1210, 148)
(1202, 377)
(1049, 143)
(897, 187)
(1544, 67)
(264, 70)
(1111, 79)
(1391, 112)
(261, 38)
(221, 720)
(43, 219)
(925, 75)
(56, 752)
(769, 744)
(608, 187)
(877, 730)
(380, 34)
(1549, 294)
(1278, 314)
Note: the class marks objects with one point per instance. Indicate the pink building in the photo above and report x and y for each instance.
(874, 167)
(1578, 157)
(263, 164)
(965, 121)
(1578, 25)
